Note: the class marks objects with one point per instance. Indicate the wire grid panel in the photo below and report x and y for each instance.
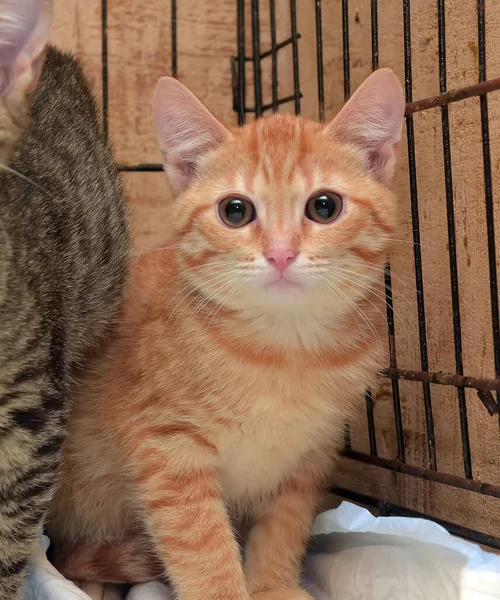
(488, 390)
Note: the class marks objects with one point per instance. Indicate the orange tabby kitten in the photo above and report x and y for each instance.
(243, 349)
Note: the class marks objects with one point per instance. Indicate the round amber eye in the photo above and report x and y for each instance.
(236, 212)
(324, 207)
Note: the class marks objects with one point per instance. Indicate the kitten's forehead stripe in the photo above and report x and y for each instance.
(248, 182)
(280, 143)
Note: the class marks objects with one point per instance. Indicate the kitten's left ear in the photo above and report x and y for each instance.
(24, 33)
(372, 121)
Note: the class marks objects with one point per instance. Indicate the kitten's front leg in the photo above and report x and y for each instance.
(186, 517)
(277, 542)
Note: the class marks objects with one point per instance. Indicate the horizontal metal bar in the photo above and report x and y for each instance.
(442, 378)
(471, 485)
(270, 105)
(267, 53)
(450, 96)
(389, 509)
(141, 167)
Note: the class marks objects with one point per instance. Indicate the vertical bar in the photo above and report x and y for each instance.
(488, 192)
(345, 42)
(274, 55)
(241, 61)
(374, 15)
(174, 37)
(347, 438)
(319, 62)
(388, 292)
(385, 508)
(371, 423)
(347, 93)
(424, 360)
(256, 58)
(295, 49)
(396, 398)
(450, 211)
(104, 41)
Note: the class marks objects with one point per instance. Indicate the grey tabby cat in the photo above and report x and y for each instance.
(63, 259)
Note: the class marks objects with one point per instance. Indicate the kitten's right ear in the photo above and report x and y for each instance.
(187, 130)
(24, 34)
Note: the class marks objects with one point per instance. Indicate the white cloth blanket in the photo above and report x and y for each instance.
(355, 556)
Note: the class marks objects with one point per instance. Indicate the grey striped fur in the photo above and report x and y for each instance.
(63, 259)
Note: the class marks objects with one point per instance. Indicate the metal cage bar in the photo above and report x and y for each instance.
(488, 189)
(104, 50)
(370, 418)
(274, 55)
(347, 94)
(319, 62)
(173, 8)
(419, 278)
(240, 96)
(295, 50)
(345, 50)
(398, 418)
(452, 248)
(257, 75)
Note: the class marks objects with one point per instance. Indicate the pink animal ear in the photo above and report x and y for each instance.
(187, 131)
(24, 33)
(371, 120)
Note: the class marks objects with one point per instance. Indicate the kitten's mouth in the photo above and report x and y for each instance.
(283, 283)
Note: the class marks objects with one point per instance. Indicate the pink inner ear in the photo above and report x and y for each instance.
(186, 129)
(372, 120)
(24, 32)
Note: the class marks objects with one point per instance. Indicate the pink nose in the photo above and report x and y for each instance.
(281, 259)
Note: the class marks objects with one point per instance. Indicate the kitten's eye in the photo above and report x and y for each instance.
(324, 207)
(236, 212)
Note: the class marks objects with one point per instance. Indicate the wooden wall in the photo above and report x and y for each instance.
(139, 51)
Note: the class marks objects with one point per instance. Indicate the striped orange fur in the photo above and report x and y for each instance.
(241, 353)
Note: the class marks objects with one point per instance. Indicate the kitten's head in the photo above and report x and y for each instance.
(24, 30)
(283, 213)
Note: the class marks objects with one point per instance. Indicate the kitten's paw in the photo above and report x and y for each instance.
(283, 594)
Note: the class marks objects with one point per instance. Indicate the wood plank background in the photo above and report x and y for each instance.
(139, 51)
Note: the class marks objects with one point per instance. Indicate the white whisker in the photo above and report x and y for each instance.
(218, 279)
(23, 177)
(373, 290)
(356, 307)
(222, 301)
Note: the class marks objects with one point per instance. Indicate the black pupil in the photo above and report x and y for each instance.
(324, 206)
(235, 211)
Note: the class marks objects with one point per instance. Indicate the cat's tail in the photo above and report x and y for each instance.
(130, 560)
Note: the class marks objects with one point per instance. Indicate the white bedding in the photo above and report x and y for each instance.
(356, 557)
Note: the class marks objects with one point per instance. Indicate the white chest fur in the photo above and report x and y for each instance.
(257, 455)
